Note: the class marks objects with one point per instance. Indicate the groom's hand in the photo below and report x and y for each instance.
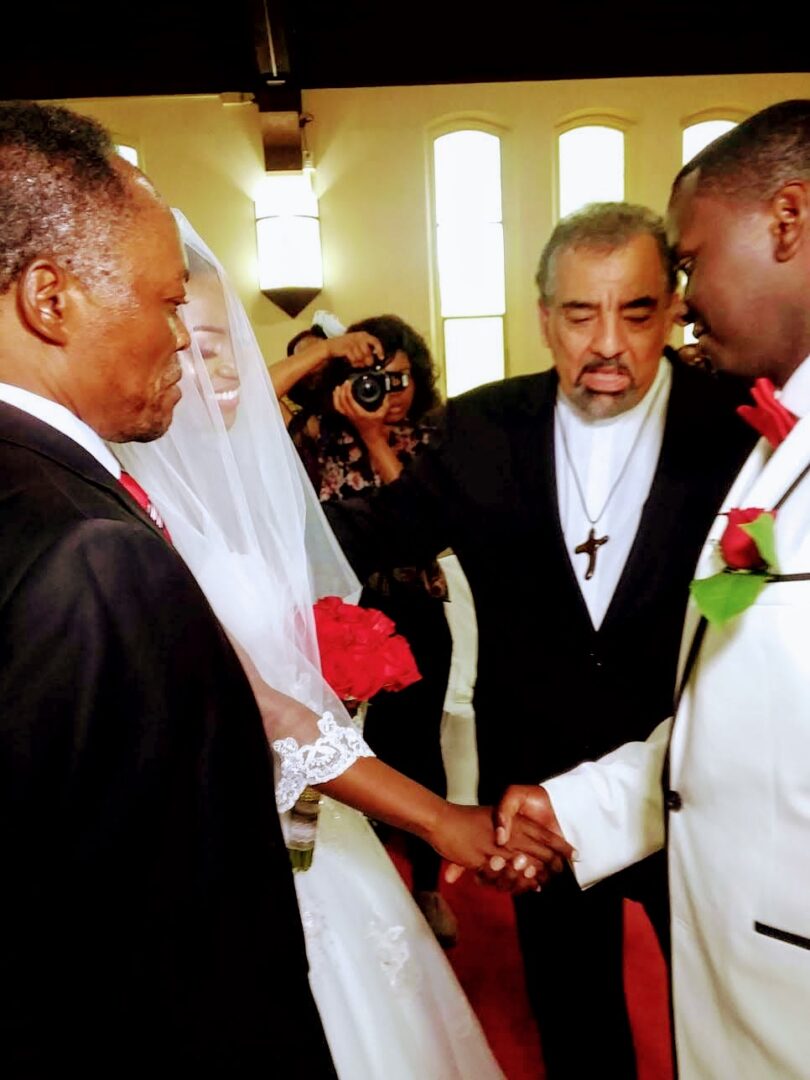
(465, 837)
(524, 821)
(530, 846)
(542, 850)
(531, 802)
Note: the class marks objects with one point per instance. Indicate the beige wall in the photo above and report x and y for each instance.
(371, 149)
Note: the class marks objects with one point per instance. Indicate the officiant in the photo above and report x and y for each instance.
(576, 501)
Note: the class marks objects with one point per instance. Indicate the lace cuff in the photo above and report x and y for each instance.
(337, 747)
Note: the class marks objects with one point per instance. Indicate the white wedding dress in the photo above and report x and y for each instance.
(390, 1003)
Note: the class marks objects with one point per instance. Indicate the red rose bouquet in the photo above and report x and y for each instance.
(361, 653)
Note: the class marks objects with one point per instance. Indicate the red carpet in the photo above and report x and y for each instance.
(488, 965)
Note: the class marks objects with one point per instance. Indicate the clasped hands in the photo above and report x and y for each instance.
(516, 848)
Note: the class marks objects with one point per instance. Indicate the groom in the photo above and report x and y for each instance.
(149, 921)
(735, 758)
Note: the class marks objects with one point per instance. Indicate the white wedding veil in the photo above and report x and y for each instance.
(243, 515)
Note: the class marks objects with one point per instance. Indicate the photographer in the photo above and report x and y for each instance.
(348, 445)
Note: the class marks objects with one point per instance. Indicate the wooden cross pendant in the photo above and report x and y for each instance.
(589, 547)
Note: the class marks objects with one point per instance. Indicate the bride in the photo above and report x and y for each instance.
(240, 511)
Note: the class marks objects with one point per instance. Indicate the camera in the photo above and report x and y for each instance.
(370, 385)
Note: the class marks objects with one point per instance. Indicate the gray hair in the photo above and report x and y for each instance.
(60, 193)
(602, 226)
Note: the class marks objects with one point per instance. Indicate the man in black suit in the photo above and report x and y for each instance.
(149, 920)
(576, 501)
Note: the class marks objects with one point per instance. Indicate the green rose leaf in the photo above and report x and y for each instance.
(724, 595)
(761, 532)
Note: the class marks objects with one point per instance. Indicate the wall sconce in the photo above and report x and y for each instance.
(288, 236)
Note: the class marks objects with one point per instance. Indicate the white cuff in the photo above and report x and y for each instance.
(611, 810)
(332, 753)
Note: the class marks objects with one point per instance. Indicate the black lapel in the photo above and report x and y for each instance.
(534, 454)
(537, 464)
(22, 429)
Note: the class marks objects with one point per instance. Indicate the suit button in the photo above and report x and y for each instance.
(673, 800)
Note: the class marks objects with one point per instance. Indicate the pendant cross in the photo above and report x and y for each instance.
(589, 547)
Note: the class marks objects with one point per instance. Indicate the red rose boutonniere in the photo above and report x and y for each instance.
(361, 653)
(749, 552)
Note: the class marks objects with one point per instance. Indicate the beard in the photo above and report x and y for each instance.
(599, 403)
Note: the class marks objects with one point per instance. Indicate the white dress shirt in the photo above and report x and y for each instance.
(615, 460)
(57, 416)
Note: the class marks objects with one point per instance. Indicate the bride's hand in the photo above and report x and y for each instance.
(464, 835)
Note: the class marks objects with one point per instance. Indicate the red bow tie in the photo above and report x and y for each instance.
(142, 499)
(768, 416)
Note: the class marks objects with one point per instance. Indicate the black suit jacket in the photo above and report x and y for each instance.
(148, 918)
(551, 691)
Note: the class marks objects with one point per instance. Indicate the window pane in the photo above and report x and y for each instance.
(470, 256)
(128, 153)
(473, 353)
(699, 135)
(468, 177)
(471, 271)
(591, 167)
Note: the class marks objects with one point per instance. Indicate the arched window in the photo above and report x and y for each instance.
(468, 219)
(591, 166)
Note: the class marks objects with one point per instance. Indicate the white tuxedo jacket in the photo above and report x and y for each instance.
(739, 846)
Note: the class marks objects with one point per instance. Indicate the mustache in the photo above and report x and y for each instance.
(601, 364)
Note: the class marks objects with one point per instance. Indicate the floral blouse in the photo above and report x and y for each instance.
(339, 466)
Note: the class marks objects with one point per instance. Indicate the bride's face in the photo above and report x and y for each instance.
(206, 318)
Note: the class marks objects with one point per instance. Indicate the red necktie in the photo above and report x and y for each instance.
(768, 416)
(142, 499)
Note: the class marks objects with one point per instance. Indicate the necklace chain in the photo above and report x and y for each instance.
(622, 471)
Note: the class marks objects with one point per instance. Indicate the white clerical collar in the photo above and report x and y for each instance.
(66, 422)
(795, 394)
(630, 418)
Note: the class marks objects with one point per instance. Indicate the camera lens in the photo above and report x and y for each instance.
(368, 390)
